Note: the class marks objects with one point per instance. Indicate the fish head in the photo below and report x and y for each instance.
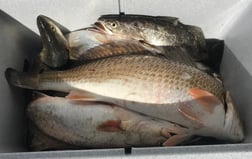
(121, 25)
(55, 46)
(149, 29)
(49, 28)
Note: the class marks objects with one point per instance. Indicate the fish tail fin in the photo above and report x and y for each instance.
(23, 80)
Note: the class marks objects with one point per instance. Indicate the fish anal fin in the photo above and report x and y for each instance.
(205, 99)
(110, 126)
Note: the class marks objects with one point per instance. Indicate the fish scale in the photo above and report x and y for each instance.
(149, 85)
(150, 69)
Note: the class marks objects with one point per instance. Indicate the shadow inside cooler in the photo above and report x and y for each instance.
(18, 43)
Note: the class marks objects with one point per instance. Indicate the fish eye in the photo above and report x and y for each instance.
(53, 28)
(114, 25)
(135, 24)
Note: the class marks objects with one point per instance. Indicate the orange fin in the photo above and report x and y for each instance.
(205, 99)
(82, 102)
(110, 126)
(189, 112)
(176, 139)
(81, 95)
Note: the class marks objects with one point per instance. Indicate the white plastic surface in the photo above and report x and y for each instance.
(214, 16)
(226, 19)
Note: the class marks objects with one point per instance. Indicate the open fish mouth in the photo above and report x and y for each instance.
(42, 21)
(100, 26)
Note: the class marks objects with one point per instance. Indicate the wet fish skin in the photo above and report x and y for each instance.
(91, 43)
(97, 125)
(55, 51)
(84, 48)
(119, 47)
(41, 142)
(85, 45)
(158, 31)
(139, 67)
(146, 79)
(82, 40)
(150, 85)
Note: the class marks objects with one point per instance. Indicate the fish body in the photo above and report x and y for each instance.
(158, 31)
(97, 125)
(150, 85)
(40, 141)
(60, 45)
(90, 43)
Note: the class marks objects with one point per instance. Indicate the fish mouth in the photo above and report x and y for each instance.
(42, 21)
(100, 26)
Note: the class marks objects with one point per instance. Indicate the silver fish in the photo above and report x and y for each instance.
(40, 141)
(150, 85)
(97, 125)
(157, 31)
(93, 43)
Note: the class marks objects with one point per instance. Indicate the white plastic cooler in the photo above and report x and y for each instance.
(229, 20)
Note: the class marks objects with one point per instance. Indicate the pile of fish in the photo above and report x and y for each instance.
(127, 80)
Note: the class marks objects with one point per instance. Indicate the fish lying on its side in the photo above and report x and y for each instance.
(157, 31)
(60, 45)
(150, 85)
(97, 125)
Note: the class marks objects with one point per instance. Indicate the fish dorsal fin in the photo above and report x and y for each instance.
(173, 20)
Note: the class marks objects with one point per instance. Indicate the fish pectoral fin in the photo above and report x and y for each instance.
(202, 105)
(110, 126)
(189, 112)
(175, 135)
(205, 99)
(84, 98)
(176, 139)
(153, 49)
(81, 95)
